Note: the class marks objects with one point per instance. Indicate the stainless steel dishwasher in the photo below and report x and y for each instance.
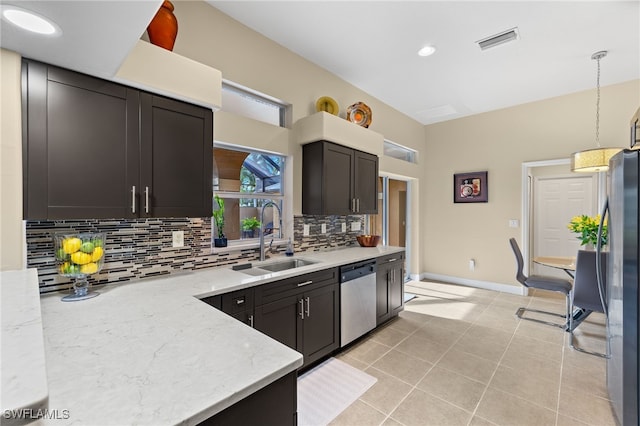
(357, 300)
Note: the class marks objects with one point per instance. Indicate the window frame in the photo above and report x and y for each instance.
(284, 198)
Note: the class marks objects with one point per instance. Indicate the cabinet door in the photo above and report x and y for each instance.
(177, 158)
(327, 171)
(396, 288)
(281, 320)
(321, 323)
(365, 182)
(337, 176)
(80, 145)
(382, 294)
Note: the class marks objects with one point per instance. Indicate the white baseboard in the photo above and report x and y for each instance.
(487, 285)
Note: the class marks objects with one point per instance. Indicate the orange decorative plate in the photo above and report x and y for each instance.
(360, 114)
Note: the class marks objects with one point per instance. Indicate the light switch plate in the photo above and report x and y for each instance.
(178, 238)
(344, 227)
(355, 226)
(323, 228)
(305, 230)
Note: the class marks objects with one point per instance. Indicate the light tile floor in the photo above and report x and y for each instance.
(459, 356)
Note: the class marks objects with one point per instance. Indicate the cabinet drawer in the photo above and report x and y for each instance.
(237, 301)
(277, 290)
(390, 258)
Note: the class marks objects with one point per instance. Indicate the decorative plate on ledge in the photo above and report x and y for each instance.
(360, 114)
(327, 104)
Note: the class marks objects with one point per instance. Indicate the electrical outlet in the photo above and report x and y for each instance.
(514, 223)
(305, 230)
(355, 226)
(344, 227)
(178, 238)
(323, 228)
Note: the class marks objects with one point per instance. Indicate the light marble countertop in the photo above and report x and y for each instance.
(22, 363)
(150, 352)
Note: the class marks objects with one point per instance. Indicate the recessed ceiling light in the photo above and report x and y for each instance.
(427, 51)
(29, 21)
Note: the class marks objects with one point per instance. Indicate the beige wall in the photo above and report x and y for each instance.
(251, 60)
(11, 242)
(500, 142)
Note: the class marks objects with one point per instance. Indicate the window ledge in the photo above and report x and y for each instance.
(248, 244)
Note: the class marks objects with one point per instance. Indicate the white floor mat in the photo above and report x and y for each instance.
(327, 389)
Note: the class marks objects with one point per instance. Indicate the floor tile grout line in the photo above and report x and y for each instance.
(414, 387)
(493, 374)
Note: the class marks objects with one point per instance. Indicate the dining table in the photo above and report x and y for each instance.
(567, 264)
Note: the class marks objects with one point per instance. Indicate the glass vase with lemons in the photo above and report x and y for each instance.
(79, 255)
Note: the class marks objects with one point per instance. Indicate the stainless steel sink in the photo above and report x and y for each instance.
(276, 266)
(283, 265)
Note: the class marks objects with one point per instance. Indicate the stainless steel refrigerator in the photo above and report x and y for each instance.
(622, 286)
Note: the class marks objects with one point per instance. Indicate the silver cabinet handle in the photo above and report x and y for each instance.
(391, 260)
(239, 301)
(133, 199)
(308, 307)
(251, 321)
(305, 283)
(146, 199)
(358, 205)
(353, 204)
(301, 302)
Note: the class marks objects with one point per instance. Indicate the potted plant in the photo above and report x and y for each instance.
(587, 229)
(249, 226)
(218, 218)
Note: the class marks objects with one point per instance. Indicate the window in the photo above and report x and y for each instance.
(247, 181)
(400, 152)
(254, 105)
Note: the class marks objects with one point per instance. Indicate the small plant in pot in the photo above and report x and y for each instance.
(218, 218)
(249, 226)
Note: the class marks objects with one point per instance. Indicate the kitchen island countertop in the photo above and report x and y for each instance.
(150, 352)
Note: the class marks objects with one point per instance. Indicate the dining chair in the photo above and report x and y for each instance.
(542, 282)
(586, 294)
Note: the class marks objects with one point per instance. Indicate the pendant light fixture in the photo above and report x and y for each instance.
(594, 160)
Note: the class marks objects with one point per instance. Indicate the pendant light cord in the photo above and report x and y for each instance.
(598, 104)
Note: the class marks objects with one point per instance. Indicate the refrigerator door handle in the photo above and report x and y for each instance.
(599, 271)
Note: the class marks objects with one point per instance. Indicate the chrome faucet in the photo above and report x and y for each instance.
(262, 255)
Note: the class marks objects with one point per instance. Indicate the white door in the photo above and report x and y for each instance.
(557, 199)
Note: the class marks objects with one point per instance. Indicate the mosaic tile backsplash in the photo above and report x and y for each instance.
(141, 248)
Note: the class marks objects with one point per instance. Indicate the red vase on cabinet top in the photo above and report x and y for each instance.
(163, 29)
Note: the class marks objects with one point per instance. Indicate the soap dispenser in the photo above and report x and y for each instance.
(289, 251)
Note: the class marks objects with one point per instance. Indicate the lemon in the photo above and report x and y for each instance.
(80, 258)
(97, 254)
(89, 268)
(71, 245)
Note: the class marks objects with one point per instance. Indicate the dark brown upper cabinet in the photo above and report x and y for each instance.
(96, 149)
(337, 180)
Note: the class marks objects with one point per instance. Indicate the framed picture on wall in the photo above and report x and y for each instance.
(470, 187)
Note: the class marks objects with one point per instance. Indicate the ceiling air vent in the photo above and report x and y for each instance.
(501, 38)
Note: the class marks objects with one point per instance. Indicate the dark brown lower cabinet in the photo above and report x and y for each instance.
(307, 322)
(274, 405)
(302, 313)
(389, 287)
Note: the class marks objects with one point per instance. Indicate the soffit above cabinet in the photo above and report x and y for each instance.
(328, 127)
(158, 70)
(96, 35)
